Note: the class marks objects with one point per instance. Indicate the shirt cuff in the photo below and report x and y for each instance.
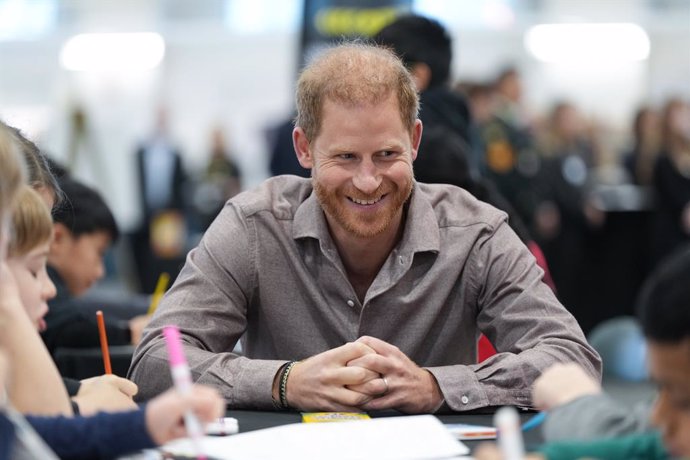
(460, 388)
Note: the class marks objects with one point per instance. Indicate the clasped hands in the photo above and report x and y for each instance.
(368, 374)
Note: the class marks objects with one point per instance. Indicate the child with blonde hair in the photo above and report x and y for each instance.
(28, 251)
(29, 245)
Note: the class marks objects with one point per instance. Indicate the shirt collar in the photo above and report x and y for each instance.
(421, 232)
(310, 221)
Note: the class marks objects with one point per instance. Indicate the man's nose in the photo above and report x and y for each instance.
(367, 178)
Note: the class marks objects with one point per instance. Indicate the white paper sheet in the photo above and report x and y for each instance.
(388, 438)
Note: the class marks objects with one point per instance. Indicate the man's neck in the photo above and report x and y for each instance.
(364, 257)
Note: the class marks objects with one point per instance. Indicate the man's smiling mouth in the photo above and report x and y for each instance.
(366, 202)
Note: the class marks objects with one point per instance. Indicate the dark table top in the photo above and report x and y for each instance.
(255, 420)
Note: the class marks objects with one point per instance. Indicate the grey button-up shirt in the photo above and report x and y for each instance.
(268, 272)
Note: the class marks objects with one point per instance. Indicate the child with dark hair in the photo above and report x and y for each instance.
(84, 230)
(425, 46)
(664, 314)
(420, 40)
(84, 213)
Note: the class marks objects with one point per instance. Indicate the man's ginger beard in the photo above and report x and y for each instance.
(363, 226)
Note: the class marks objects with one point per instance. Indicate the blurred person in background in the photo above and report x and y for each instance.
(571, 154)
(508, 89)
(221, 180)
(672, 180)
(160, 241)
(481, 99)
(222, 168)
(84, 230)
(640, 159)
(510, 156)
(566, 214)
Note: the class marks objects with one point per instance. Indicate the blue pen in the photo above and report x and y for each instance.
(534, 421)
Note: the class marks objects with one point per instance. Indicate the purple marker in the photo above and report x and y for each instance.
(182, 379)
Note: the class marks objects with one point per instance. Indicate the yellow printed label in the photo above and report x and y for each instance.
(321, 417)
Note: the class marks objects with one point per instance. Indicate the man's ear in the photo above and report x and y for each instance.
(302, 148)
(416, 137)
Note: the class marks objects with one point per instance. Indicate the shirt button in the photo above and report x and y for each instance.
(465, 399)
(351, 303)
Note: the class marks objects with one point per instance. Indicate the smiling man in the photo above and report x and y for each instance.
(360, 289)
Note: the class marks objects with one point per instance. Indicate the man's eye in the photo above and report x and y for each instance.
(346, 156)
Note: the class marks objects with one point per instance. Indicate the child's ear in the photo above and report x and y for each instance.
(58, 230)
(61, 235)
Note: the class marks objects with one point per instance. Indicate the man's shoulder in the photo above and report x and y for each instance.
(280, 196)
(456, 207)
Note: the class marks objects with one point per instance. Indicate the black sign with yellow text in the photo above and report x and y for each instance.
(330, 21)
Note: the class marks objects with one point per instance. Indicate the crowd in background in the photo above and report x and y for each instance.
(604, 214)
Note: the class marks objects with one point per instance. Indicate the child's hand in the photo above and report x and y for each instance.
(562, 383)
(165, 413)
(108, 393)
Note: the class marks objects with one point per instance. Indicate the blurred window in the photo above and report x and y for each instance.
(26, 19)
(263, 16)
(465, 15)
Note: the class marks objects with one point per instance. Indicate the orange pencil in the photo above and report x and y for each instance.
(104, 342)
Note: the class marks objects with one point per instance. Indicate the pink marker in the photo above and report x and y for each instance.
(182, 379)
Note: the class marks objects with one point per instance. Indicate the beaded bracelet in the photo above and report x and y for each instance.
(283, 385)
(276, 398)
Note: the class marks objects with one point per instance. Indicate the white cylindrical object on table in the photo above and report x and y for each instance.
(510, 441)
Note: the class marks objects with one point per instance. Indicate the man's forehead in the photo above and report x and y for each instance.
(356, 100)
